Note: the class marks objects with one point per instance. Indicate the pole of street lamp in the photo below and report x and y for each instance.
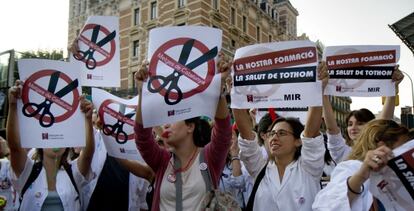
(412, 88)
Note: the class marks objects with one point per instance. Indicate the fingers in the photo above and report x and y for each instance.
(397, 75)
(142, 73)
(74, 47)
(378, 158)
(15, 92)
(322, 70)
(86, 106)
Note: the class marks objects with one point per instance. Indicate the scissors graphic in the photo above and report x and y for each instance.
(47, 119)
(88, 54)
(118, 126)
(173, 78)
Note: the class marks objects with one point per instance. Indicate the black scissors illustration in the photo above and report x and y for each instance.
(46, 104)
(118, 126)
(88, 54)
(173, 78)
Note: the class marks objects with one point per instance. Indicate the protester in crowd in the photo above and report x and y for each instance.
(185, 139)
(58, 183)
(235, 179)
(122, 182)
(337, 145)
(8, 195)
(291, 178)
(348, 189)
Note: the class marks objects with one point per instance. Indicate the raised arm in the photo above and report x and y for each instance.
(329, 118)
(314, 119)
(244, 124)
(137, 168)
(313, 149)
(216, 151)
(389, 104)
(149, 149)
(86, 155)
(18, 155)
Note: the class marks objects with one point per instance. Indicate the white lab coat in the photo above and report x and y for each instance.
(36, 194)
(335, 195)
(337, 147)
(6, 188)
(301, 180)
(137, 186)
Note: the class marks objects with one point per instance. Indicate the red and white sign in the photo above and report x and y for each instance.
(282, 74)
(98, 55)
(117, 116)
(50, 105)
(359, 70)
(182, 74)
(393, 184)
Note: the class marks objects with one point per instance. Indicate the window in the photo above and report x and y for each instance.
(135, 48)
(270, 38)
(215, 4)
(258, 33)
(233, 43)
(134, 85)
(136, 17)
(153, 10)
(244, 24)
(181, 24)
(233, 16)
(274, 15)
(180, 3)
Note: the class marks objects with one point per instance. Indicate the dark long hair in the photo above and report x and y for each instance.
(297, 128)
(361, 115)
(263, 126)
(202, 131)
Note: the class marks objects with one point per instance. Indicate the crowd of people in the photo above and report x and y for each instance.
(276, 164)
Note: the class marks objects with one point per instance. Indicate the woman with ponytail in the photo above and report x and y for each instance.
(187, 140)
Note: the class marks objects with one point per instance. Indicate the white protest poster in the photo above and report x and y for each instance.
(48, 112)
(361, 70)
(182, 79)
(394, 184)
(279, 74)
(117, 116)
(299, 113)
(98, 55)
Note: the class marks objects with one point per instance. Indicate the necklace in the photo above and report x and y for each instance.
(172, 176)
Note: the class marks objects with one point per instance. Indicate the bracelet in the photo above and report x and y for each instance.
(234, 158)
(350, 189)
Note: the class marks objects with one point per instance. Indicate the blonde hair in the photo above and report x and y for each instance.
(375, 131)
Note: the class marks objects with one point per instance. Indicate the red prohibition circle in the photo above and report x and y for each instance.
(101, 113)
(112, 42)
(163, 48)
(45, 73)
